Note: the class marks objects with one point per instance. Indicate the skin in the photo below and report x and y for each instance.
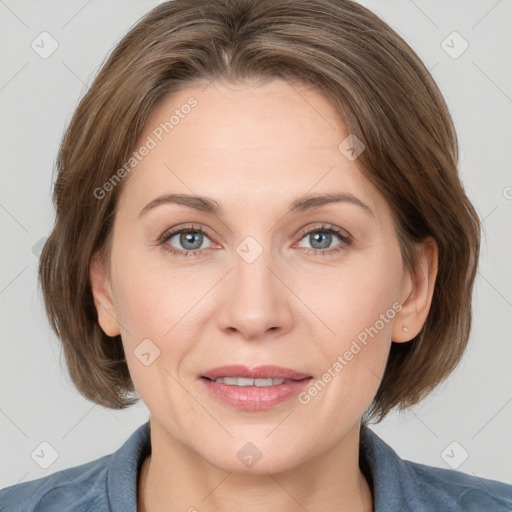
(255, 148)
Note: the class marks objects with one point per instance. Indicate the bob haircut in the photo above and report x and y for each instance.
(384, 95)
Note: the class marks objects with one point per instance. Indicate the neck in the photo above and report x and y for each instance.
(329, 482)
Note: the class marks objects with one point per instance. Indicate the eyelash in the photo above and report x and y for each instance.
(345, 239)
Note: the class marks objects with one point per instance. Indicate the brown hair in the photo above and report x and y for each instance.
(384, 95)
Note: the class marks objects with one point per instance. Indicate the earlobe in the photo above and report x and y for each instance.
(417, 293)
(102, 294)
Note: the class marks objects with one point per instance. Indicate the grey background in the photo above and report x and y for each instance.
(38, 403)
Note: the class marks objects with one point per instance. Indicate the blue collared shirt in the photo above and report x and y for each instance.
(109, 484)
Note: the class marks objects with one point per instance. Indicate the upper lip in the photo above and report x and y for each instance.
(254, 372)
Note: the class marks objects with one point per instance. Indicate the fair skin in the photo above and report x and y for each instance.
(255, 149)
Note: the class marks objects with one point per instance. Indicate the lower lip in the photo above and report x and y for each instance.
(252, 398)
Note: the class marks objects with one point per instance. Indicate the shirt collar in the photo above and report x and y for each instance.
(123, 470)
(386, 470)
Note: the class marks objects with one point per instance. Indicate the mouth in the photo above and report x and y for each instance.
(259, 383)
(254, 388)
(259, 376)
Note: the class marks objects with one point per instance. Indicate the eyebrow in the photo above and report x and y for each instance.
(208, 205)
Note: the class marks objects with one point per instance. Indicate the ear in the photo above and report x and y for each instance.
(103, 298)
(416, 293)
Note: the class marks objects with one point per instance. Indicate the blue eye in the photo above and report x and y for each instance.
(320, 240)
(192, 239)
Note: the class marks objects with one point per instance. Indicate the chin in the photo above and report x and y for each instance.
(254, 459)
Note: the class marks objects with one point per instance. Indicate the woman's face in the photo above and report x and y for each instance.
(256, 283)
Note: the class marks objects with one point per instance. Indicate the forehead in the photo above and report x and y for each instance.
(242, 143)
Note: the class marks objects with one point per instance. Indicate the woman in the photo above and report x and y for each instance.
(261, 231)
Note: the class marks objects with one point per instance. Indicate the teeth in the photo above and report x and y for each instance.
(242, 381)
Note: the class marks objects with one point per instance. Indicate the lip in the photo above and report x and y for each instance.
(253, 398)
(254, 372)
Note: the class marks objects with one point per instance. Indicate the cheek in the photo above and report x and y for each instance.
(359, 297)
(152, 313)
(156, 305)
(352, 366)
(147, 302)
(143, 308)
(360, 310)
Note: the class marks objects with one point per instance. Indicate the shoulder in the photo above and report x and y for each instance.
(457, 491)
(78, 489)
(102, 485)
(409, 486)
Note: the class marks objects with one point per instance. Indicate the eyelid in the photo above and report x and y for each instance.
(325, 226)
(185, 227)
(342, 234)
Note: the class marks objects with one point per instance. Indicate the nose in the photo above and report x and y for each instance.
(255, 299)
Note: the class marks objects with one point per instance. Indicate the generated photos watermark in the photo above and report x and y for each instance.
(344, 359)
(150, 143)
